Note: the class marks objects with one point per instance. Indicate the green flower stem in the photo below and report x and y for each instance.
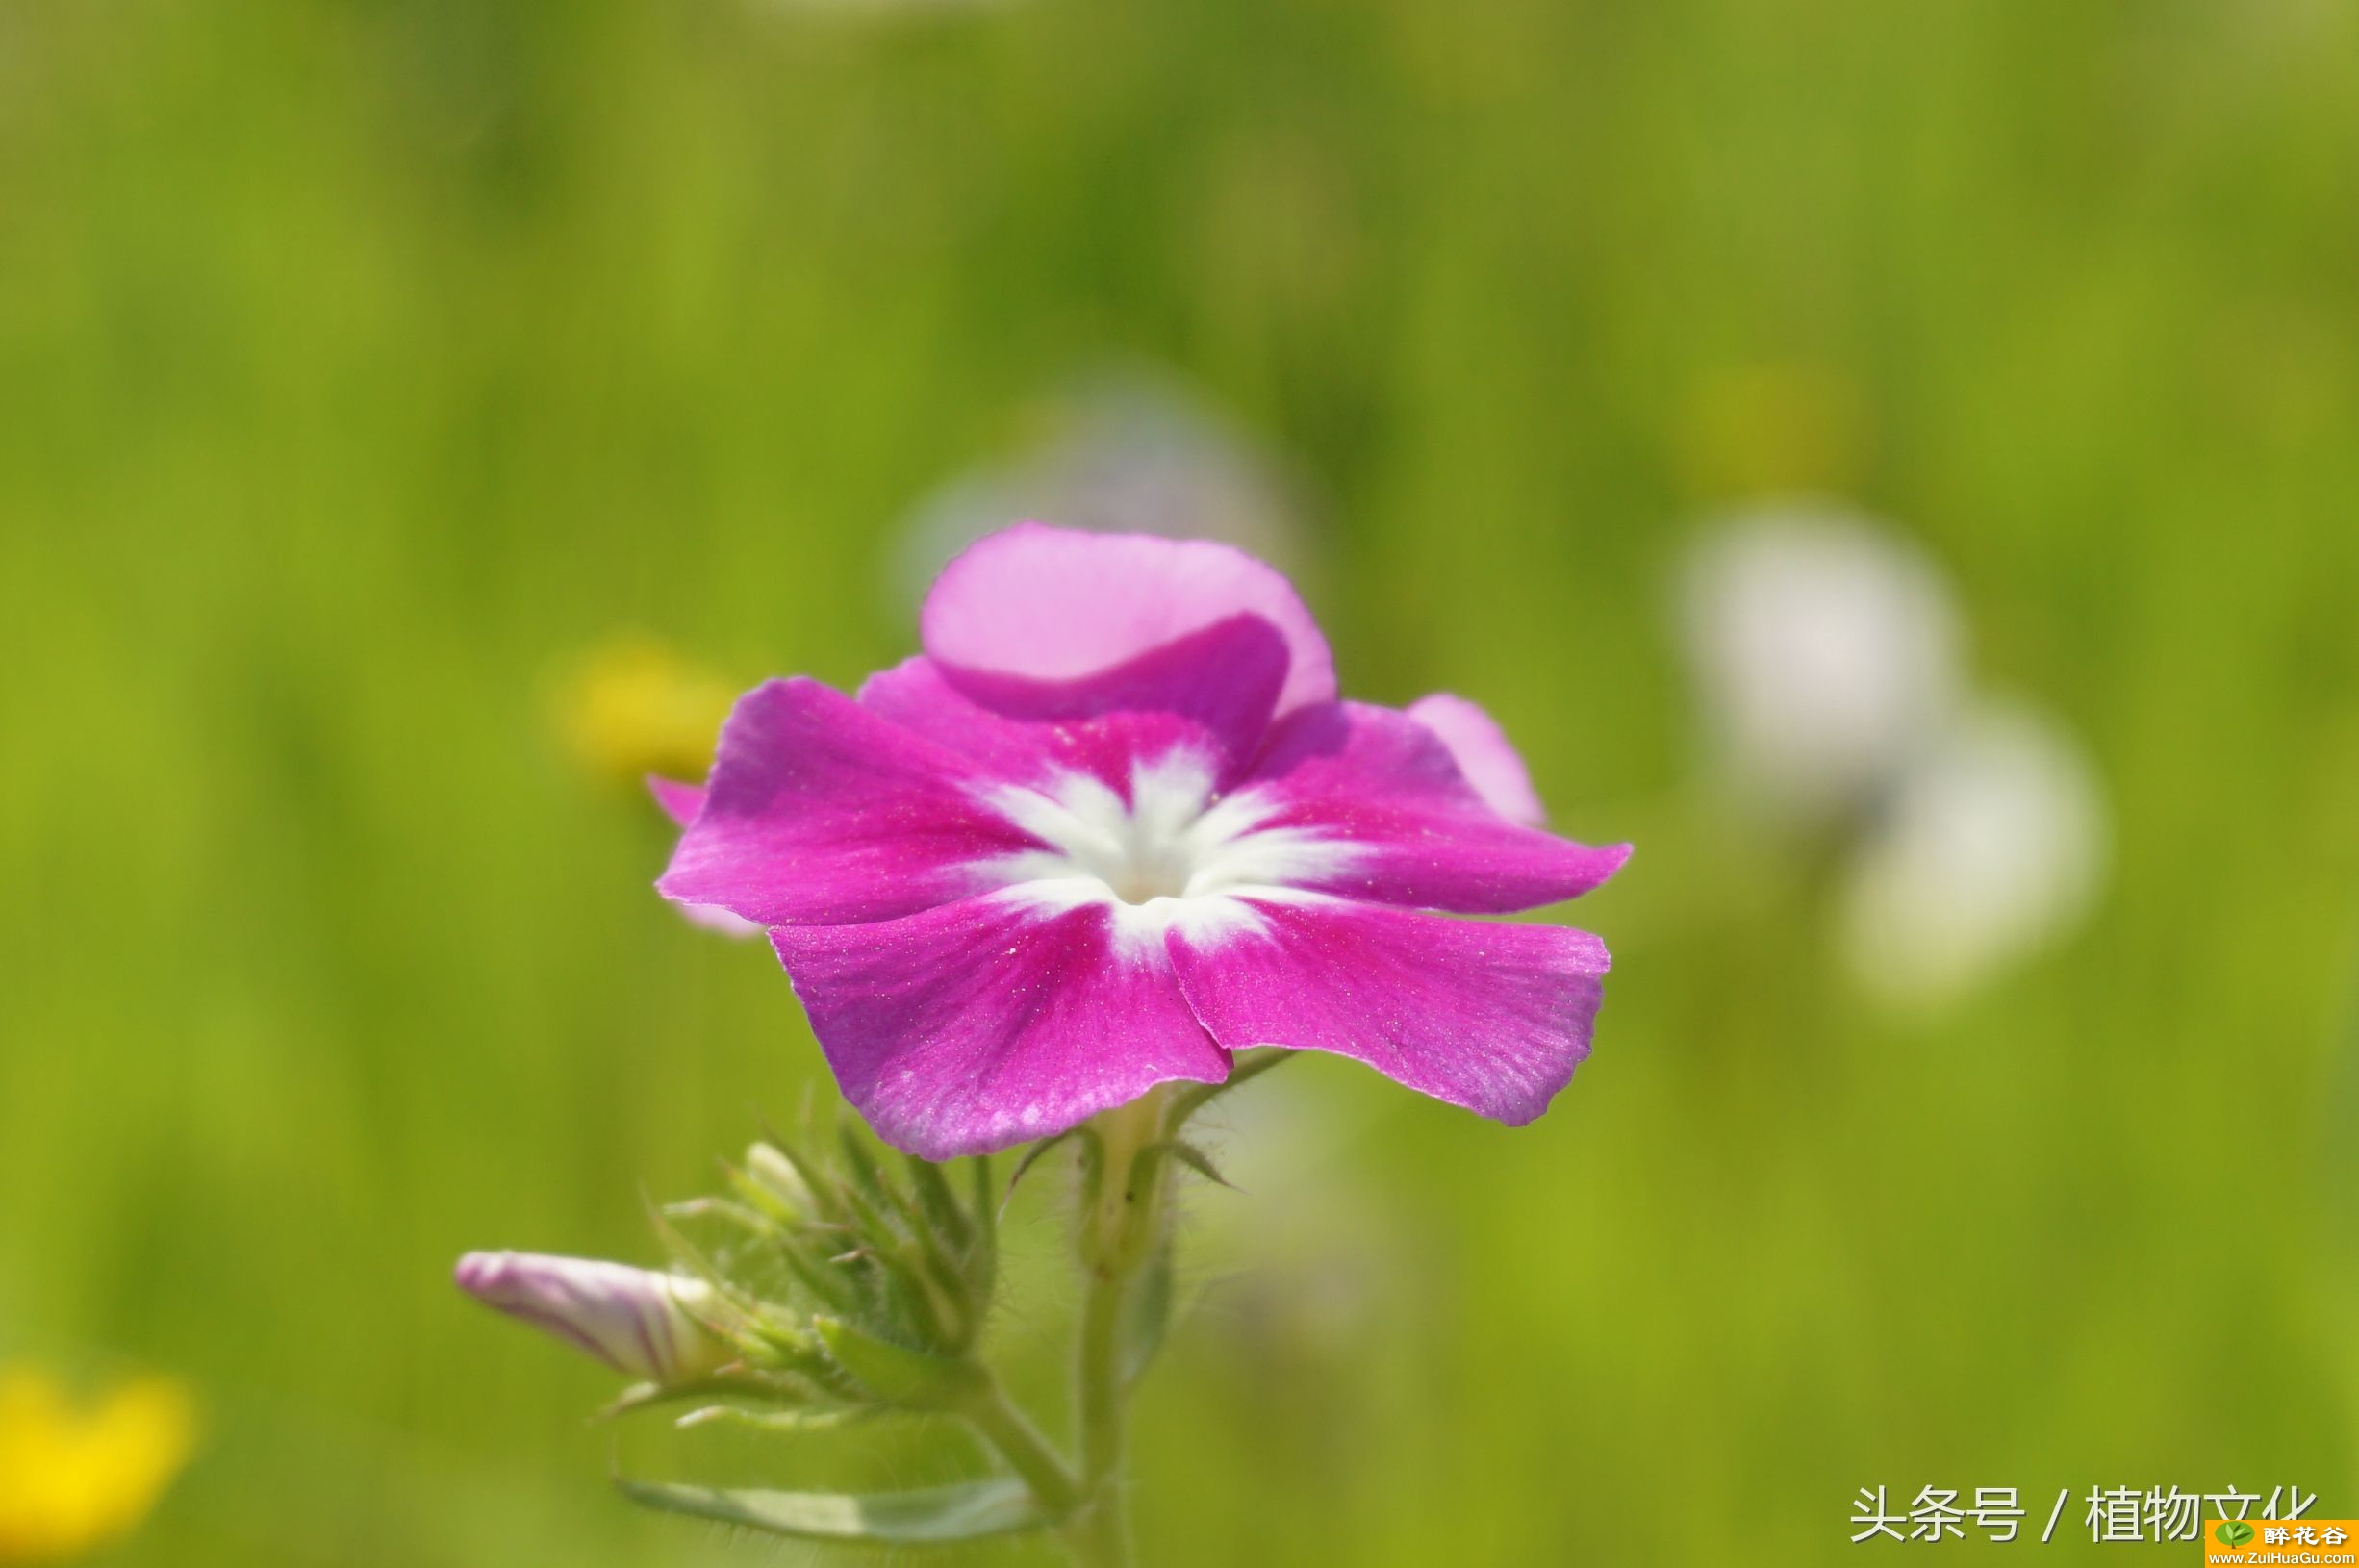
(1100, 1534)
(1122, 1225)
(1028, 1453)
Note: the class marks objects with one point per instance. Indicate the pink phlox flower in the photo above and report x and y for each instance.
(1113, 825)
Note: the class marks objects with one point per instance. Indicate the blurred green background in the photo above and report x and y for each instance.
(362, 364)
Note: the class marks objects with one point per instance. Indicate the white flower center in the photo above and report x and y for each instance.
(1173, 856)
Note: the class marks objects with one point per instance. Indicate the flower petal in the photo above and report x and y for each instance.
(1491, 1016)
(1051, 604)
(1386, 786)
(1210, 692)
(992, 1022)
(680, 802)
(819, 812)
(1484, 755)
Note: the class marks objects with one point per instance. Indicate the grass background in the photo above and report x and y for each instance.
(361, 362)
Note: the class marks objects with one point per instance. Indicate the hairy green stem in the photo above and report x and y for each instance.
(1121, 1226)
(1100, 1532)
(1028, 1453)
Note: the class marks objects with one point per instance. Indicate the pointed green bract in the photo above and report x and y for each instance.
(1196, 1160)
(1033, 1157)
(1195, 1097)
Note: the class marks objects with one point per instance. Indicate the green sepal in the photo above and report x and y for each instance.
(931, 1516)
(939, 1205)
(925, 1276)
(983, 1257)
(743, 1383)
(1196, 1096)
(1031, 1157)
(896, 1375)
(860, 1163)
(833, 1287)
(752, 1326)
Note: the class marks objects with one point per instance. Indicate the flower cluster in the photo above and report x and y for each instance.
(814, 1289)
(828, 1287)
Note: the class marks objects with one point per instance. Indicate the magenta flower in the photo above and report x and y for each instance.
(1113, 826)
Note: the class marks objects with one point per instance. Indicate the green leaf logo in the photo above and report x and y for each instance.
(2234, 1533)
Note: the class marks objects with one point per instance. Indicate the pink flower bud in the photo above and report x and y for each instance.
(636, 1322)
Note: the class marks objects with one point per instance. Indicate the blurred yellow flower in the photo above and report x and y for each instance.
(76, 1475)
(633, 706)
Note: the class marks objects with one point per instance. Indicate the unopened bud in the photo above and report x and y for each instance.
(779, 1179)
(640, 1323)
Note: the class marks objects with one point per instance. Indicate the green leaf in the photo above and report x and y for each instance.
(930, 1515)
(2234, 1533)
(895, 1373)
(768, 1421)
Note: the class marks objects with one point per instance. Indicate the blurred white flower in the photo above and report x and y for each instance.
(1825, 651)
(1991, 845)
(1120, 453)
(1828, 656)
